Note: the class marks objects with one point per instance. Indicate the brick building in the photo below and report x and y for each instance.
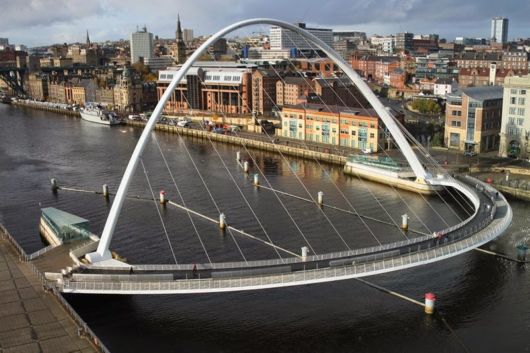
(473, 119)
(333, 125)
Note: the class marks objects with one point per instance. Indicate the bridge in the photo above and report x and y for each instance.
(489, 217)
(14, 78)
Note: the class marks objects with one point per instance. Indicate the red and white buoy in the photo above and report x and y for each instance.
(163, 197)
(430, 298)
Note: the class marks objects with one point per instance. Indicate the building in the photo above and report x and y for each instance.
(324, 67)
(515, 126)
(486, 77)
(264, 90)
(435, 66)
(291, 89)
(213, 89)
(404, 41)
(344, 47)
(353, 36)
(333, 125)
(38, 86)
(375, 67)
(57, 92)
(339, 91)
(499, 30)
(473, 119)
(444, 86)
(141, 45)
(511, 60)
(387, 44)
(281, 38)
(158, 63)
(128, 93)
(187, 35)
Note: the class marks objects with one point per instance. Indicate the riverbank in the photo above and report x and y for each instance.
(32, 319)
(47, 108)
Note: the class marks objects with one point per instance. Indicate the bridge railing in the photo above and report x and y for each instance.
(304, 276)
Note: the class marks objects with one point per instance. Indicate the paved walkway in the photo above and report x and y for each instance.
(30, 319)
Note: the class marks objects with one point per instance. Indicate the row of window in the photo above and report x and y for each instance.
(512, 121)
(517, 111)
(519, 101)
(514, 91)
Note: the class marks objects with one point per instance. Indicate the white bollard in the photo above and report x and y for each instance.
(320, 198)
(405, 222)
(256, 179)
(163, 197)
(304, 253)
(222, 221)
(105, 190)
(55, 187)
(245, 166)
(507, 176)
(238, 156)
(430, 298)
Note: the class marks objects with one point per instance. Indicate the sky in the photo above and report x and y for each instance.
(45, 22)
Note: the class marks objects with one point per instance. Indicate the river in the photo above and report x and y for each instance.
(482, 298)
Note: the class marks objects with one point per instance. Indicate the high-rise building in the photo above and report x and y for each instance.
(188, 35)
(281, 38)
(515, 126)
(141, 45)
(404, 41)
(499, 30)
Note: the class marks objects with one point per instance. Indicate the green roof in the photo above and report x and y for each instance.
(61, 218)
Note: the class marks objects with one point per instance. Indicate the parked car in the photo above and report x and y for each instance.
(367, 151)
(183, 123)
(470, 153)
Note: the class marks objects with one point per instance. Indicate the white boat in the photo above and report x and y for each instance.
(98, 115)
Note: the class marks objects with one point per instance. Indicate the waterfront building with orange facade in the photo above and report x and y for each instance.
(334, 125)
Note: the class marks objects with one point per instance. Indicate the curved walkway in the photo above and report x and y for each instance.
(491, 217)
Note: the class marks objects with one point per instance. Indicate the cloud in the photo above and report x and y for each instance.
(35, 22)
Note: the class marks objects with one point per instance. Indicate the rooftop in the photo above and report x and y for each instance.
(336, 109)
(484, 92)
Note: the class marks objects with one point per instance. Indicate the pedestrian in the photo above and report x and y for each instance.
(131, 270)
(194, 271)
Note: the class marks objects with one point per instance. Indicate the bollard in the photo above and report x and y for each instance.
(430, 298)
(304, 253)
(256, 179)
(245, 166)
(522, 250)
(222, 221)
(55, 186)
(320, 198)
(163, 197)
(405, 222)
(238, 156)
(105, 190)
(507, 176)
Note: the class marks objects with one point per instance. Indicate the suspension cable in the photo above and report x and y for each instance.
(158, 210)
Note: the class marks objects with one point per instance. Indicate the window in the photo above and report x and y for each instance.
(372, 135)
(521, 101)
(511, 121)
(523, 91)
(513, 91)
(520, 111)
(512, 110)
(353, 133)
(520, 121)
(456, 123)
(513, 100)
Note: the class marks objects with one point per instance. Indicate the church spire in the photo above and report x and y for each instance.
(179, 30)
(87, 38)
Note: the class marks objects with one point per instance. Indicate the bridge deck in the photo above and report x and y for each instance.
(487, 223)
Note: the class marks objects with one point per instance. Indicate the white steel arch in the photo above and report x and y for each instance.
(103, 252)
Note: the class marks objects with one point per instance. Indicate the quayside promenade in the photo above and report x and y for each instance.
(31, 318)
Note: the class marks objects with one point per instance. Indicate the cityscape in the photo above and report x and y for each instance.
(267, 185)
